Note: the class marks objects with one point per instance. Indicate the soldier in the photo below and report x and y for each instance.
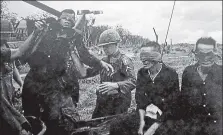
(157, 89)
(201, 91)
(48, 88)
(11, 121)
(114, 92)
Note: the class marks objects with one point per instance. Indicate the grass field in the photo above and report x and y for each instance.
(176, 60)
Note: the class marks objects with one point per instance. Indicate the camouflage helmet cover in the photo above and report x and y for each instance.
(109, 36)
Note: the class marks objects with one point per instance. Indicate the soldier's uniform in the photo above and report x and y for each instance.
(201, 101)
(123, 75)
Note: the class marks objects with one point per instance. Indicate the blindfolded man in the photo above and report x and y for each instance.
(201, 96)
(157, 89)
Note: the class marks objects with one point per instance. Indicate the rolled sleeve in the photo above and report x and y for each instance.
(85, 55)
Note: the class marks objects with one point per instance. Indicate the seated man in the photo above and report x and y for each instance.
(157, 88)
(201, 98)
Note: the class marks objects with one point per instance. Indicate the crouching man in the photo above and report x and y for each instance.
(114, 92)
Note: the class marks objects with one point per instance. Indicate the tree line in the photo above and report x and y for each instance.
(91, 36)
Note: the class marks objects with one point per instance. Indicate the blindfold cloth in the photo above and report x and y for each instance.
(150, 56)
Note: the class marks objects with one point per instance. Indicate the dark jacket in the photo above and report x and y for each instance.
(124, 75)
(201, 101)
(163, 92)
(53, 54)
(50, 86)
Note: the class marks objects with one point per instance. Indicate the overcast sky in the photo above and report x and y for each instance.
(191, 19)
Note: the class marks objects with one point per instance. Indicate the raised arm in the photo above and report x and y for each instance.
(16, 76)
(23, 49)
(87, 58)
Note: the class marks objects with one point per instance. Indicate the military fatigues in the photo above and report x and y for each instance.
(163, 92)
(49, 84)
(125, 77)
(10, 119)
(201, 101)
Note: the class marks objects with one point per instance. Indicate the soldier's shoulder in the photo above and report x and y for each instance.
(125, 59)
(105, 59)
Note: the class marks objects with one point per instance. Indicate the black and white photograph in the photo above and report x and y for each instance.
(111, 68)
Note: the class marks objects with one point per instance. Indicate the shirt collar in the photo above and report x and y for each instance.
(146, 72)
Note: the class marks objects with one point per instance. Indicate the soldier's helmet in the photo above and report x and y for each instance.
(6, 28)
(109, 36)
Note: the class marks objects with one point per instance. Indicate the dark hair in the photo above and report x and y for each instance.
(207, 41)
(152, 44)
(70, 11)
